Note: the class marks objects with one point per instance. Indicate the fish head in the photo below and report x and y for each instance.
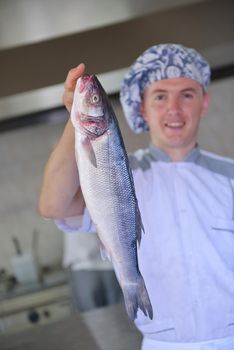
(90, 113)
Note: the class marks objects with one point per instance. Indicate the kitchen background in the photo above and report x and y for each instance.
(39, 42)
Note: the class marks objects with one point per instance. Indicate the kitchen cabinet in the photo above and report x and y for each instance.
(106, 328)
(37, 307)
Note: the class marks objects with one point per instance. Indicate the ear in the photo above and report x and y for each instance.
(206, 103)
(142, 109)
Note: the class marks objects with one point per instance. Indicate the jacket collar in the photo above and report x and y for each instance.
(162, 156)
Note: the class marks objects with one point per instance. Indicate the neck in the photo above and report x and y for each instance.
(177, 154)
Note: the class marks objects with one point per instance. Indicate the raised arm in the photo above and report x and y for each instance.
(61, 195)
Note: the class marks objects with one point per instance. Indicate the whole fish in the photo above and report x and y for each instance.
(108, 188)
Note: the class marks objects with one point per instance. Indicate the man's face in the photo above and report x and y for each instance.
(172, 109)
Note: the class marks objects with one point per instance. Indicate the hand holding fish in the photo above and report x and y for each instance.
(70, 85)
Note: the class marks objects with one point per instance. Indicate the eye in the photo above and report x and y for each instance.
(159, 97)
(188, 95)
(95, 98)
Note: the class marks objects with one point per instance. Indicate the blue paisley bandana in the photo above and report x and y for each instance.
(164, 61)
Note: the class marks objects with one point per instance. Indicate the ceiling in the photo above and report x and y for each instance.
(40, 40)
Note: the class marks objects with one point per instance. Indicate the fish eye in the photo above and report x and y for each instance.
(95, 98)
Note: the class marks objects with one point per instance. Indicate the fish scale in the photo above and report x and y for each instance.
(108, 189)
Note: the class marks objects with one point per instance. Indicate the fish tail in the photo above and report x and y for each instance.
(136, 296)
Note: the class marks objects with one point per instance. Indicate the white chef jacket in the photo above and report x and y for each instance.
(186, 255)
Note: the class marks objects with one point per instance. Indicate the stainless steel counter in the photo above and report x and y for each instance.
(102, 329)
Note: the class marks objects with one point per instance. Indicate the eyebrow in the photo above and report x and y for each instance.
(158, 90)
(189, 89)
(155, 91)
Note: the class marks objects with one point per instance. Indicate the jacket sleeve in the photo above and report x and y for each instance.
(76, 224)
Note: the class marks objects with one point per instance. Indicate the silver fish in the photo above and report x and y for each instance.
(108, 189)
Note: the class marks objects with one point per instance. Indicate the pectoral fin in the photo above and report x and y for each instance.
(89, 151)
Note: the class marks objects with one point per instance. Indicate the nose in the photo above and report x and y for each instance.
(173, 106)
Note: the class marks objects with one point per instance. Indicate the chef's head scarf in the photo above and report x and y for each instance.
(164, 61)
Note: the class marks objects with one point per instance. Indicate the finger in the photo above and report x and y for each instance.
(73, 75)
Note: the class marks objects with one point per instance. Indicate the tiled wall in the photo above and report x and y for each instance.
(23, 153)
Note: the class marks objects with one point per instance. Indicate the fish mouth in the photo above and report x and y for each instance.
(90, 118)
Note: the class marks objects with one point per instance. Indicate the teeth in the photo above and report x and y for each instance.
(175, 124)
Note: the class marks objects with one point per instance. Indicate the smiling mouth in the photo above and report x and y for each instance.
(175, 125)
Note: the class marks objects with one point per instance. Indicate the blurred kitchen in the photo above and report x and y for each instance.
(40, 40)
